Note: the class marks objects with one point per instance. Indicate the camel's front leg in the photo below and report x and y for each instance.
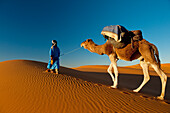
(114, 64)
(109, 70)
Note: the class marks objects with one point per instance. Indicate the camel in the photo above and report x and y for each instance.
(142, 50)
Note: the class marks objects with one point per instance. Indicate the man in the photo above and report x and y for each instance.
(53, 65)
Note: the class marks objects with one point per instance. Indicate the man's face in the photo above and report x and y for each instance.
(54, 44)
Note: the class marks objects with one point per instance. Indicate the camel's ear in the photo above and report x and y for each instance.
(89, 40)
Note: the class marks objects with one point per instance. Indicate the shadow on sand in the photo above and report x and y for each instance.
(126, 81)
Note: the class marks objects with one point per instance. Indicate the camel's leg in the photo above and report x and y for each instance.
(109, 70)
(145, 68)
(163, 78)
(114, 64)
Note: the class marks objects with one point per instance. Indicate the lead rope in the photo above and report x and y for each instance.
(70, 51)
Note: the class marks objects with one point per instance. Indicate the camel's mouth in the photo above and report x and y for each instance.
(82, 45)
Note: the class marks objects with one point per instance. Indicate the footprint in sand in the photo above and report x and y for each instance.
(147, 97)
(127, 93)
(143, 96)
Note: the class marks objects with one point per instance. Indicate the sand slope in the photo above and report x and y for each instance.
(24, 88)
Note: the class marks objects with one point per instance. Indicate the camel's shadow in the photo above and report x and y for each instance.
(127, 81)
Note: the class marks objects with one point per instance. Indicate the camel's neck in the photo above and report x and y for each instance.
(100, 49)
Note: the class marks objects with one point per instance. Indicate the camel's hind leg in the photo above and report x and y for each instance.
(150, 54)
(163, 78)
(145, 68)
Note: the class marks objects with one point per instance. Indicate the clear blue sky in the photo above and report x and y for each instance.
(28, 26)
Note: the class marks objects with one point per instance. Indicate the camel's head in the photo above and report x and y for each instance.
(91, 46)
(87, 43)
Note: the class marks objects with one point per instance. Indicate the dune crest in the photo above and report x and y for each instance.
(25, 88)
(134, 69)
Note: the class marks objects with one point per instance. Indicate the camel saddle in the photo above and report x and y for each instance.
(119, 36)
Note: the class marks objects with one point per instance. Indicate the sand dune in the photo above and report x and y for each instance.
(25, 88)
(135, 69)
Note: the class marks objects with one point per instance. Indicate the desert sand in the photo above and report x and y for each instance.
(26, 88)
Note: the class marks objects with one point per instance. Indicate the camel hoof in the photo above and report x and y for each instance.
(160, 98)
(113, 86)
(135, 91)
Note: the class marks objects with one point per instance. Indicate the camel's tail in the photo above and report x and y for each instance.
(156, 54)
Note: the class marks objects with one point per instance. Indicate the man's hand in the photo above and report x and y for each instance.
(52, 61)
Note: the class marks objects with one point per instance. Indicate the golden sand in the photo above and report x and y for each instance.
(25, 88)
